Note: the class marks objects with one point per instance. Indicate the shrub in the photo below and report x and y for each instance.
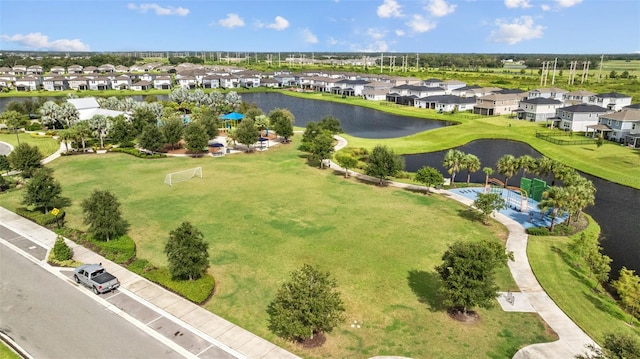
(120, 250)
(36, 126)
(61, 250)
(40, 218)
(197, 291)
(137, 153)
(538, 231)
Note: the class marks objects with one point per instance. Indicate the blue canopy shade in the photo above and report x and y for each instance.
(232, 116)
(216, 144)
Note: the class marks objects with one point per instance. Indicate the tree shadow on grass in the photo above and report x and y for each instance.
(602, 306)
(425, 286)
(469, 214)
(572, 266)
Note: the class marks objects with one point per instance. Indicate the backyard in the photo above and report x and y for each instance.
(381, 244)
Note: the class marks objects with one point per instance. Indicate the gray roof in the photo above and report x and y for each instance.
(542, 101)
(612, 95)
(583, 107)
(635, 105)
(449, 99)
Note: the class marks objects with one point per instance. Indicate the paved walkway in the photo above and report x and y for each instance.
(154, 309)
(572, 340)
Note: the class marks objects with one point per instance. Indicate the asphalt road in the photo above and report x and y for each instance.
(50, 318)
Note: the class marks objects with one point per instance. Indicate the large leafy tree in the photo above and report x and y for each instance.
(628, 287)
(507, 166)
(615, 346)
(196, 137)
(247, 133)
(383, 163)
(14, 121)
(102, 214)
(122, 131)
(467, 273)
(307, 305)
(42, 190)
(310, 132)
(151, 138)
(25, 158)
(172, 128)
(453, 163)
(471, 163)
(282, 122)
(5, 165)
(204, 116)
(142, 117)
(322, 147)
(487, 203)
(331, 124)
(429, 176)
(187, 252)
(346, 161)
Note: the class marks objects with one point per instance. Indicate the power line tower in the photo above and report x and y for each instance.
(544, 73)
(572, 72)
(585, 71)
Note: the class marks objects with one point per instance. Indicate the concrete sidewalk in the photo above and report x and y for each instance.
(201, 333)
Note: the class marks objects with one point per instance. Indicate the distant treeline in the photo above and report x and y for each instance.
(425, 60)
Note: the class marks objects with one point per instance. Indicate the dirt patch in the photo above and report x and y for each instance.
(460, 316)
(316, 341)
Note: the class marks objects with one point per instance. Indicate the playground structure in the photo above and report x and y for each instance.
(517, 197)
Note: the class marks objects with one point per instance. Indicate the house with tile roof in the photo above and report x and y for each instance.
(577, 118)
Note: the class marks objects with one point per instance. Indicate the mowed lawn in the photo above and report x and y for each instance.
(265, 214)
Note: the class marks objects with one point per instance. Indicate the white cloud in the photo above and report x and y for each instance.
(159, 10)
(568, 3)
(332, 41)
(231, 21)
(439, 8)
(389, 8)
(545, 7)
(420, 24)
(309, 37)
(279, 24)
(400, 32)
(514, 4)
(376, 46)
(38, 41)
(520, 29)
(376, 34)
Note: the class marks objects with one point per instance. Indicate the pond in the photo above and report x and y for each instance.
(615, 210)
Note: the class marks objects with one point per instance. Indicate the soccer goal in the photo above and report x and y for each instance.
(182, 176)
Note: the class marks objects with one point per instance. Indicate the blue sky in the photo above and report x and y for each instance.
(425, 26)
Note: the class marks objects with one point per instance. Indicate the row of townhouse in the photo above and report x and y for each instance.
(22, 70)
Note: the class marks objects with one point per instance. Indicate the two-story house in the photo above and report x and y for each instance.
(621, 124)
(496, 104)
(55, 83)
(576, 97)
(577, 118)
(121, 82)
(376, 91)
(28, 83)
(446, 103)
(163, 82)
(611, 100)
(552, 92)
(537, 108)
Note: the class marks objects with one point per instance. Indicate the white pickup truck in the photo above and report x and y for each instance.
(95, 277)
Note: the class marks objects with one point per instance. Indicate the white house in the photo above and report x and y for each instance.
(611, 100)
(28, 83)
(576, 118)
(537, 108)
(445, 103)
(621, 124)
(576, 97)
(552, 92)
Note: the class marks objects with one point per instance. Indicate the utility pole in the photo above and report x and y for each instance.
(381, 61)
(600, 70)
(585, 71)
(572, 71)
(553, 78)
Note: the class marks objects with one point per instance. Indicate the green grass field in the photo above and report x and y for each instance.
(565, 278)
(265, 214)
(632, 66)
(46, 145)
(6, 352)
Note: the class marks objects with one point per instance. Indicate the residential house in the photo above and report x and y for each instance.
(418, 91)
(481, 91)
(496, 104)
(7, 81)
(462, 91)
(106, 69)
(75, 70)
(90, 70)
(376, 91)
(450, 85)
(433, 83)
(121, 69)
(28, 83)
(121, 82)
(55, 83)
(611, 100)
(170, 69)
(147, 77)
(537, 108)
(576, 118)
(635, 105)
(187, 82)
(78, 83)
(57, 70)
(142, 85)
(269, 83)
(229, 81)
(576, 97)
(351, 87)
(211, 82)
(99, 83)
(88, 107)
(620, 126)
(34, 70)
(249, 80)
(19, 70)
(285, 79)
(552, 92)
(4, 70)
(446, 103)
(400, 80)
(163, 82)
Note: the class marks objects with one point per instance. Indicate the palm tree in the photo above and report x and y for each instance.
(508, 166)
(100, 124)
(581, 194)
(472, 163)
(488, 171)
(527, 164)
(453, 161)
(556, 200)
(82, 131)
(68, 135)
(49, 113)
(544, 166)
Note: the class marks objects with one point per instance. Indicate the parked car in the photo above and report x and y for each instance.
(95, 277)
